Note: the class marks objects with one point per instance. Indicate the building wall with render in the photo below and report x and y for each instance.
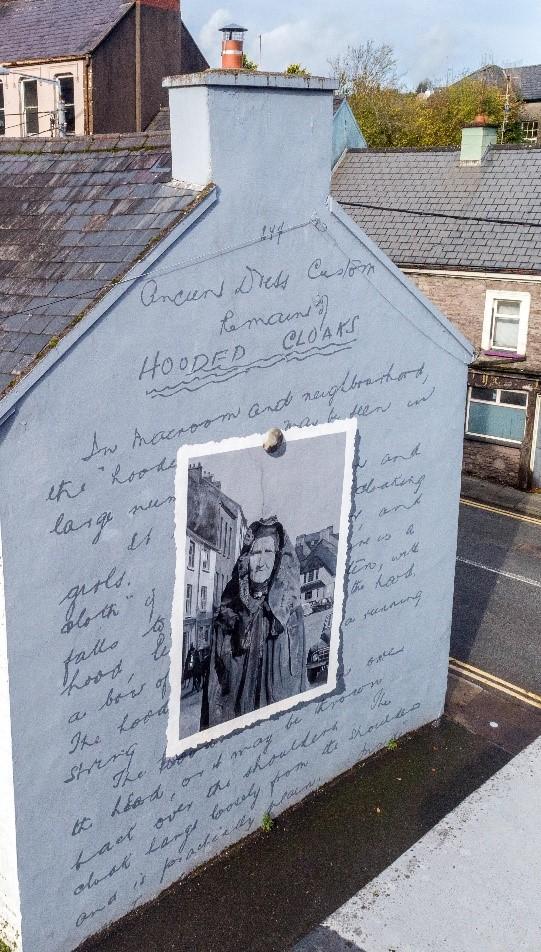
(105, 820)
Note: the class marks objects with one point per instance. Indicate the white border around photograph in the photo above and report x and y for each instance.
(175, 744)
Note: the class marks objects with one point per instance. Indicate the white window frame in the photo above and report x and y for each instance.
(191, 554)
(22, 86)
(495, 403)
(203, 598)
(528, 127)
(188, 599)
(524, 298)
(70, 104)
(205, 559)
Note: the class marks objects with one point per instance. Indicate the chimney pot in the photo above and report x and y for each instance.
(232, 45)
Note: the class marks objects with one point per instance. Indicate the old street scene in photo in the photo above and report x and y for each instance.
(257, 575)
(270, 460)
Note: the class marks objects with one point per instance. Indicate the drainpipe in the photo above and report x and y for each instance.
(138, 105)
(88, 112)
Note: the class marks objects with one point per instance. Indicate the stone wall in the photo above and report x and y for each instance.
(492, 461)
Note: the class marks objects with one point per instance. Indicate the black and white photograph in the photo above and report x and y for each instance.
(259, 585)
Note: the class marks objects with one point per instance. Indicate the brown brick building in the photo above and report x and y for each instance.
(466, 227)
(110, 57)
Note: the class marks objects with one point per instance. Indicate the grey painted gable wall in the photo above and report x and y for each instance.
(104, 823)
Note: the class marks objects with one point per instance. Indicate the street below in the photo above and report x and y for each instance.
(496, 616)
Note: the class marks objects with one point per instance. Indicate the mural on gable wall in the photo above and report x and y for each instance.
(135, 462)
(251, 635)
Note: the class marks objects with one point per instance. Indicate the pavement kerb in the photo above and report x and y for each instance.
(502, 497)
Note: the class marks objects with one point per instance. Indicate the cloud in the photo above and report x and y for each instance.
(428, 38)
(311, 42)
(209, 39)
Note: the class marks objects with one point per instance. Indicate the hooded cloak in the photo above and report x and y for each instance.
(258, 652)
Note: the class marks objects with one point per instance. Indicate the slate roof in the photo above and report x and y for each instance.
(43, 29)
(506, 185)
(529, 81)
(75, 214)
(322, 554)
(526, 78)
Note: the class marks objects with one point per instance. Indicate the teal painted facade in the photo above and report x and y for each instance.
(345, 132)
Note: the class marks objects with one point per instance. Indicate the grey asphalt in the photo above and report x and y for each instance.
(496, 618)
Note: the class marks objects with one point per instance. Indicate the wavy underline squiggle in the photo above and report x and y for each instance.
(223, 375)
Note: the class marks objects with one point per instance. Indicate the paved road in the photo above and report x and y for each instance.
(497, 608)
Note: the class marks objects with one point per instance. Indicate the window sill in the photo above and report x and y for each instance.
(502, 354)
(493, 440)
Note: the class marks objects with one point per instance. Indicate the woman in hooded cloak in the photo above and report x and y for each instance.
(258, 652)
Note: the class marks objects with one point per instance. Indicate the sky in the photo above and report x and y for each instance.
(303, 488)
(436, 39)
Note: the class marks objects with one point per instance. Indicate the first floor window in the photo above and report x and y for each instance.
(505, 325)
(30, 107)
(191, 554)
(205, 561)
(2, 111)
(530, 130)
(67, 93)
(203, 598)
(188, 606)
(497, 414)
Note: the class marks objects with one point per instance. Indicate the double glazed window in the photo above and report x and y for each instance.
(67, 93)
(505, 325)
(497, 414)
(30, 107)
(2, 110)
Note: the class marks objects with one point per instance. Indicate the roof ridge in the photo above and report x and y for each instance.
(369, 150)
(106, 142)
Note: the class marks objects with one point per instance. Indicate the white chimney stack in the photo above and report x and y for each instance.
(253, 134)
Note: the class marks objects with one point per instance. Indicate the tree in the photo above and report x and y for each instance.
(368, 64)
(295, 69)
(247, 63)
(391, 116)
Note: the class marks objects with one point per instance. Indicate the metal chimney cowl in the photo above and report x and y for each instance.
(233, 46)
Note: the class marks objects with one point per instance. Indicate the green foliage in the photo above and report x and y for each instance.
(390, 117)
(267, 823)
(391, 744)
(4, 947)
(295, 69)
(247, 63)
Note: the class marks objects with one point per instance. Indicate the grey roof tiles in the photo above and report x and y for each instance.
(43, 29)
(73, 218)
(503, 186)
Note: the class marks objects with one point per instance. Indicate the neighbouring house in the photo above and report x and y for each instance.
(109, 56)
(465, 225)
(163, 301)
(316, 552)
(200, 573)
(346, 133)
(526, 81)
(216, 529)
